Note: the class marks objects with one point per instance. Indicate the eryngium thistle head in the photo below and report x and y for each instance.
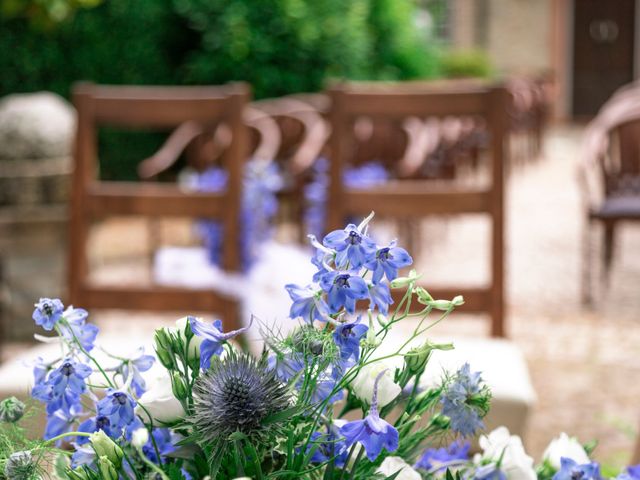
(236, 394)
(21, 466)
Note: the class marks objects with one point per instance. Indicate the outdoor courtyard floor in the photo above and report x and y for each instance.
(583, 362)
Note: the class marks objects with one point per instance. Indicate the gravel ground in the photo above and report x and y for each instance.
(583, 362)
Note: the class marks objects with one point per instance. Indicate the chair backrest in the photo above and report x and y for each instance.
(410, 199)
(162, 108)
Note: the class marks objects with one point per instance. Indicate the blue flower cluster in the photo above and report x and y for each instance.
(457, 402)
(344, 260)
(63, 386)
(259, 205)
(364, 176)
(571, 470)
(438, 459)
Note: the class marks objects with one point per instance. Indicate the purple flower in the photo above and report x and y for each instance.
(387, 261)
(489, 472)
(133, 367)
(97, 423)
(213, 338)
(328, 446)
(631, 473)
(352, 247)
(571, 470)
(373, 432)
(440, 458)
(307, 303)
(347, 336)
(118, 408)
(60, 422)
(82, 456)
(456, 402)
(63, 387)
(47, 312)
(164, 440)
(380, 296)
(287, 366)
(77, 329)
(343, 289)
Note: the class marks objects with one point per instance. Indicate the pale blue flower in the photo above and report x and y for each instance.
(353, 248)
(213, 338)
(571, 470)
(343, 289)
(48, 312)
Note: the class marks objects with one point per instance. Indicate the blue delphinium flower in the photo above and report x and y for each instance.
(118, 407)
(571, 470)
(286, 366)
(96, 424)
(489, 472)
(60, 422)
(441, 458)
(631, 473)
(328, 446)
(323, 389)
(47, 312)
(82, 456)
(164, 440)
(373, 432)
(63, 387)
(343, 289)
(353, 248)
(307, 303)
(76, 329)
(387, 261)
(464, 417)
(213, 338)
(134, 367)
(347, 336)
(380, 296)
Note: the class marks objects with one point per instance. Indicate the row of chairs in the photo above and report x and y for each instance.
(214, 123)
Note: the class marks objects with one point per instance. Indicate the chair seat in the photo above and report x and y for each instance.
(623, 207)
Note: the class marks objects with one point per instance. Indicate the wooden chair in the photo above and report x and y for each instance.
(610, 174)
(411, 199)
(160, 108)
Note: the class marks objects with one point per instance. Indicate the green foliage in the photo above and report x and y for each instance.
(279, 46)
(472, 63)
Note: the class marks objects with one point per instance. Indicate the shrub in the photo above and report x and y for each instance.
(472, 63)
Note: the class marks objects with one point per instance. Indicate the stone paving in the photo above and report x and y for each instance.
(583, 362)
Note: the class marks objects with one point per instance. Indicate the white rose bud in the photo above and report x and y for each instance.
(140, 437)
(364, 382)
(565, 446)
(194, 343)
(391, 465)
(160, 403)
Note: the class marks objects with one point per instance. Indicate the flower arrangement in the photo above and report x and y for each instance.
(330, 400)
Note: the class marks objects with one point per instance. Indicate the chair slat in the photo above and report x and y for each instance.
(127, 198)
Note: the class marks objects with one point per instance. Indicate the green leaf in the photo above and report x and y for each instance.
(282, 415)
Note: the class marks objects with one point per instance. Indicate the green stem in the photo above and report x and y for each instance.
(68, 434)
(152, 465)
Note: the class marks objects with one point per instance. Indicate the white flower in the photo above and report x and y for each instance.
(391, 465)
(140, 437)
(159, 402)
(565, 446)
(194, 343)
(515, 463)
(363, 384)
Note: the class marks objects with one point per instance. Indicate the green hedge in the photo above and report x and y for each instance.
(279, 46)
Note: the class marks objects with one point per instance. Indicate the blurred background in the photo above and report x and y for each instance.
(569, 268)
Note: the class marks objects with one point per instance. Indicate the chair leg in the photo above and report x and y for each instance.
(608, 251)
(587, 296)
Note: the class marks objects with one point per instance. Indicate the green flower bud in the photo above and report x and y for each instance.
(444, 305)
(402, 282)
(163, 349)
(107, 448)
(11, 410)
(417, 358)
(107, 469)
(178, 386)
(423, 295)
(20, 466)
(78, 473)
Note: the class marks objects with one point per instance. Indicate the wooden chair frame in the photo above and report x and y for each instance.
(410, 199)
(161, 108)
